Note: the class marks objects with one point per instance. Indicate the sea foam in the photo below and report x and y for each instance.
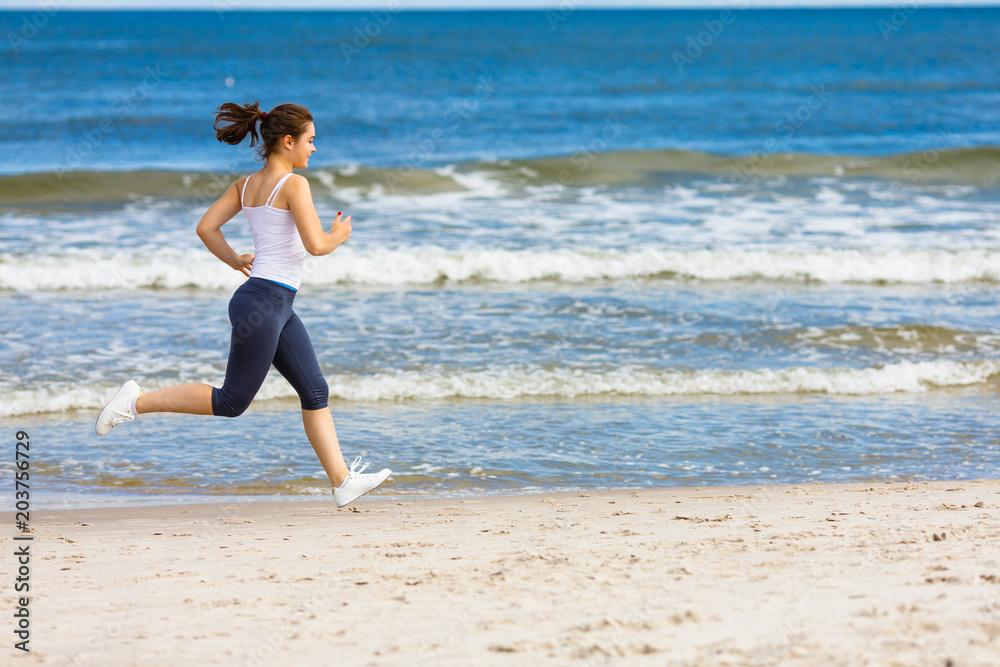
(430, 265)
(503, 383)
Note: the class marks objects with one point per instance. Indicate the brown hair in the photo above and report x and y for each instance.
(239, 121)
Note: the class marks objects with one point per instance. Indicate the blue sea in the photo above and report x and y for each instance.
(592, 248)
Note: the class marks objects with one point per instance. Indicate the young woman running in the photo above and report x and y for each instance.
(278, 205)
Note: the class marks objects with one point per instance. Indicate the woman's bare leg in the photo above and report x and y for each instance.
(196, 399)
(189, 399)
(323, 437)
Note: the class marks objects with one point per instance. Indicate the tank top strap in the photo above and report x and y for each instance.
(274, 193)
(243, 191)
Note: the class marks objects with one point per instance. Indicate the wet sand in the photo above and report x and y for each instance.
(817, 574)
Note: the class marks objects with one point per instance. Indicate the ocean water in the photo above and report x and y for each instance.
(592, 249)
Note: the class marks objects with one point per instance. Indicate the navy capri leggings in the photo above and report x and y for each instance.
(267, 331)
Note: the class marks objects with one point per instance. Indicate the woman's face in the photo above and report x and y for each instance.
(303, 148)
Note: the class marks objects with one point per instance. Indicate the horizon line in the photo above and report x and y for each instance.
(223, 5)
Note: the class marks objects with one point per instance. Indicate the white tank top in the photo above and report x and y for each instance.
(278, 250)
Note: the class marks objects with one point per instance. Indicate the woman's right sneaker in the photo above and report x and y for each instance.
(357, 484)
(119, 408)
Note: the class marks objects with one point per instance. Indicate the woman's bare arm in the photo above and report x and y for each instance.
(210, 230)
(315, 240)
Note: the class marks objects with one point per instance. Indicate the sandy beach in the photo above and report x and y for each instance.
(818, 574)
(712, 253)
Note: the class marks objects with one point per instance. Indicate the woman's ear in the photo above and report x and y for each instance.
(288, 141)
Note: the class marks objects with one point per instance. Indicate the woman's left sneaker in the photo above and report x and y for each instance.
(357, 484)
(119, 408)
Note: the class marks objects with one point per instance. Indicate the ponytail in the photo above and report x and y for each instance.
(239, 121)
(242, 120)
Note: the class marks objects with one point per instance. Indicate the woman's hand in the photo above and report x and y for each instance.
(243, 263)
(315, 239)
(341, 231)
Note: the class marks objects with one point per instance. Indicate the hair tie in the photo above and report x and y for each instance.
(264, 116)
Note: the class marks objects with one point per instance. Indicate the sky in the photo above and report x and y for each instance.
(470, 4)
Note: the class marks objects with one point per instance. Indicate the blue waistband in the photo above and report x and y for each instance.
(268, 286)
(282, 284)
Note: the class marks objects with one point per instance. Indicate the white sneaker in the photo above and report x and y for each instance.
(357, 485)
(119, 408)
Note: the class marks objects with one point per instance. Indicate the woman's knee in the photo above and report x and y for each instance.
(318, 397)
(229, 404)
